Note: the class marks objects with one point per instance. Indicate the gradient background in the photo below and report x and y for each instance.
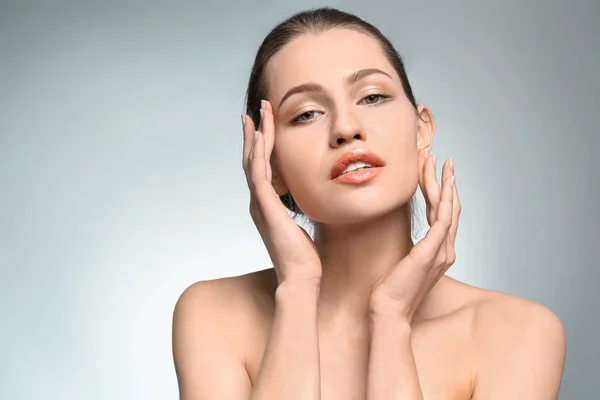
(121, 180)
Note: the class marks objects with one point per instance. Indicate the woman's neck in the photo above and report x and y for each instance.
(355, 257)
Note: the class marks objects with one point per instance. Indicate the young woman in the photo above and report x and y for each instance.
(333, 132)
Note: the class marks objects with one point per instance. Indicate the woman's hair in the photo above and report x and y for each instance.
(312, 22)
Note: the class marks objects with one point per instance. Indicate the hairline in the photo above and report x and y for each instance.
(312, 30)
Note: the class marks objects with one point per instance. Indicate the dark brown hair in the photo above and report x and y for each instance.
(311, 22)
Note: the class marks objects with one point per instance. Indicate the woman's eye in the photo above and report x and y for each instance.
(373, 98)
(304, 117)
(310, 115)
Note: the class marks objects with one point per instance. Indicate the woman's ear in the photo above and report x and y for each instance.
(425, 128)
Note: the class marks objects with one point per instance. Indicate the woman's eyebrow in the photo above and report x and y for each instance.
(315, 87)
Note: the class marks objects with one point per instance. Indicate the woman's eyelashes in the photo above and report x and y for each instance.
(371, 99)
(300, 118)
(376, 96)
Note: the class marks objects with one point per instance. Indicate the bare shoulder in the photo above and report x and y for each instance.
(502, 318)
(236, 300)
(213, 323)
(234, 305)
(497, 315)
(519, 346)
(490, 308)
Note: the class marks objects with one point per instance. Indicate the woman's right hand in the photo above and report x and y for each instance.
(292, 251)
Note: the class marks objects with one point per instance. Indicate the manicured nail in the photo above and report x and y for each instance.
(262, 104)
(434, 158)
(262, 114)
(255, 136)
(452, 181)
(452, 164)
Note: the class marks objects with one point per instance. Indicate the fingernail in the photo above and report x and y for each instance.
(262, 114)
(434, 157)
(452, 181)
(262, 104)
(452, 164)
(255, 136)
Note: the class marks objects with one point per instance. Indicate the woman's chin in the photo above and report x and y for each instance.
(353, 213)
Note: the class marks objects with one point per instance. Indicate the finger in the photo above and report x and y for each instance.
(456, 209)
(445, 213)
(421, 159)
(421, 162)
(258, 168)
(450, 256)
(259, 183)
(446, 174)
(248, 132)
(260, 121)
(432, 188)
(268, 130)
(427, 249)
(425, 171)
(259, 128)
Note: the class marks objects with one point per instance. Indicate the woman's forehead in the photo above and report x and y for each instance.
(324, 58)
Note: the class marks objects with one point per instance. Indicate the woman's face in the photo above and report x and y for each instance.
(313, 128)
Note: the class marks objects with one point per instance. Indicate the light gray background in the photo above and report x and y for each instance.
(121, 179)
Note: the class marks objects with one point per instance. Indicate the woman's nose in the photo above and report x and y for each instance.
(346, 128)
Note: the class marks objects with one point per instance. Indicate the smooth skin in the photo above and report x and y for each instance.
(388, 322)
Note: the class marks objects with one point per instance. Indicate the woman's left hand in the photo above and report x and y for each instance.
(401, 291)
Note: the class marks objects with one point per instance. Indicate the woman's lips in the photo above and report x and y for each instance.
(359, 176)
(353, 156)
